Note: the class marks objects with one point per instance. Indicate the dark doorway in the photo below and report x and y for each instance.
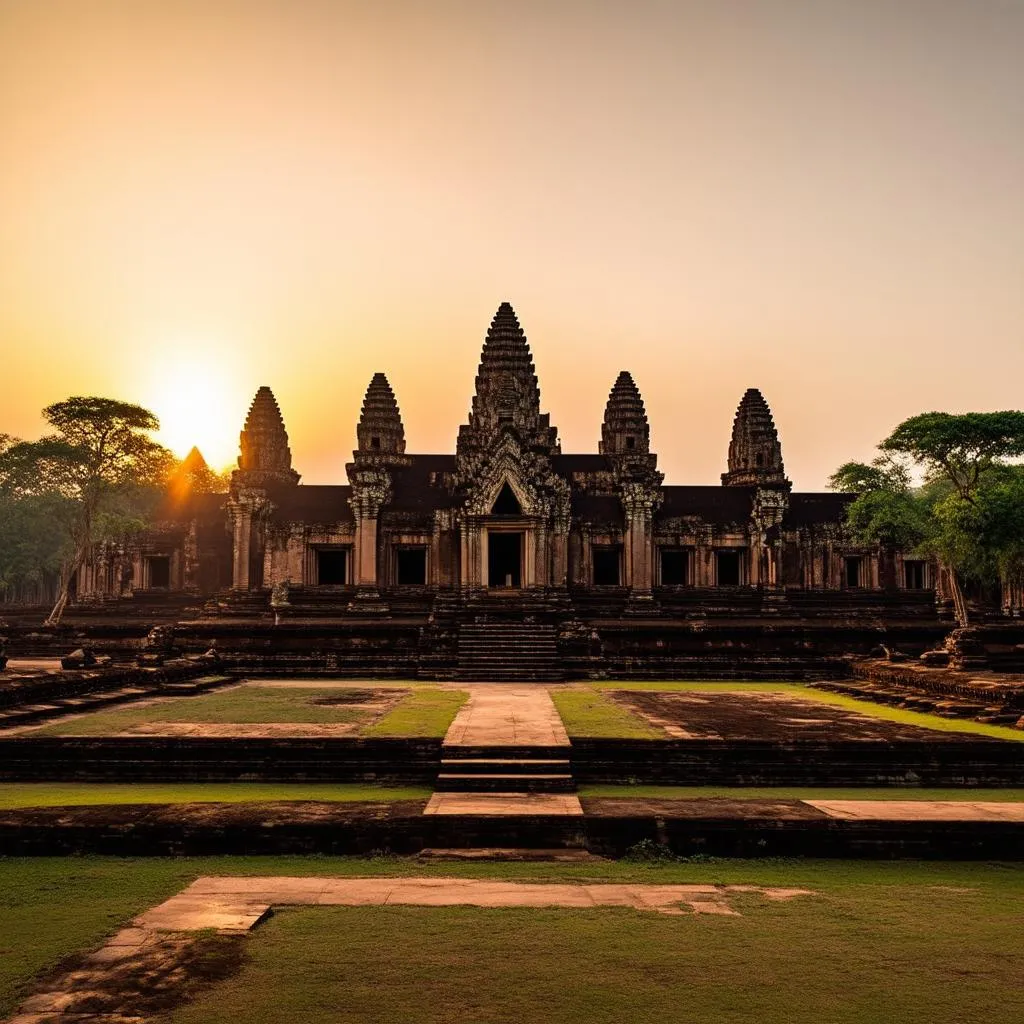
(913, 575)
(727, 564)
(411, 567)
(332, 567)
(507, 504)
(607, 563)
(504, 559)
(853, 571)
(675, 567)
(159, 567)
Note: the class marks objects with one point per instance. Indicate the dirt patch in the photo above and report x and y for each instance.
(138, 979)
(351, 698)
(770, 717)
(700, 809)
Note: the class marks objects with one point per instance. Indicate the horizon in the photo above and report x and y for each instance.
(821, 202)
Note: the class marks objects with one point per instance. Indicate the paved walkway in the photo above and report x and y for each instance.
(228, 903)
(499, 715)
(920, 810)
(505, 804)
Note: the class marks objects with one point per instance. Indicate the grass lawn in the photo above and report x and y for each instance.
(882, 942)
(251, 704)
(586, 712)
(79, 794)
(881, 953)
(426, 712)
(865, 707)
(641, 792)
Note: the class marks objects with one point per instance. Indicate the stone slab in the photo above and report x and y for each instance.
(920, 810)
(505, 804)
(499, 715)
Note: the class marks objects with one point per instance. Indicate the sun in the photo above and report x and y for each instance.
(197, 407)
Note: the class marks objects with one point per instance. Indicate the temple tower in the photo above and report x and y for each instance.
(507, 394)
(755, 460)
(265, 456)
(513, 509)
(625, 430)
(264, 465)
(380, 427)
(755, 454)
(626, 444)
(380, 439)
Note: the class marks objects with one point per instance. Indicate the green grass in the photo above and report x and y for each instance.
(51, 907)
(251, 704)
(80, 794)
(587, 712)
(641, 792)
(865, 707)
(426, 712)
(874, 954)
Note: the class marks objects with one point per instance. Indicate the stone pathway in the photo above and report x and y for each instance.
(920, 810)
(156, 949)
(500, 715)
(237, 903)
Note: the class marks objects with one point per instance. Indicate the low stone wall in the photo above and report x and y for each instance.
(986, 687)
(402, 828)
(970, 762)
(767, 837)
(16, 691)
(173, 759)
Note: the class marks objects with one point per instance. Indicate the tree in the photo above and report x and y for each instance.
(98, 469)
(965, 513)
(887, 510)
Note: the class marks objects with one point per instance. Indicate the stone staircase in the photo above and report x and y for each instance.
(508, 651)
(57, 707)
(503, 769)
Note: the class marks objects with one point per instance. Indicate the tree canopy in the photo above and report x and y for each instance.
(96, 472)
(969, 511)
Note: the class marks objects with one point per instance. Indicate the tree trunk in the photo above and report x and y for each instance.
(959, 604)
(53, 619)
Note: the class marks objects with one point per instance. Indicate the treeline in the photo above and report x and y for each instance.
(97, 476)
(948, 487)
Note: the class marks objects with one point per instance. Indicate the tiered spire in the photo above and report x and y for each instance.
(265, 454)
(625, 430)
(507, 393)
(380, 427)
(755, 454)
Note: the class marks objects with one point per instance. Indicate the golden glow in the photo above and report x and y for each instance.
(821, 200)
(194, 396)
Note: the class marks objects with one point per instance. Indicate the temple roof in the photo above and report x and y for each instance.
(625, 426)
(822, 507)
(313, 503)
(712, 503)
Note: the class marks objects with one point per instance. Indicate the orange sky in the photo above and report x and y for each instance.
(822, 199)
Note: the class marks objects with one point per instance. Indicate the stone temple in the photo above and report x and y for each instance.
(572, 555)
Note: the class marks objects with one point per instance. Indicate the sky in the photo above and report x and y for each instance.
(821, 199)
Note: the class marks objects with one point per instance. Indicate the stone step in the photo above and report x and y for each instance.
(507, 783)
(508, 766)
(488, 752)
(566, 855)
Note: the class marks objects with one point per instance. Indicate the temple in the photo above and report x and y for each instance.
(509, 527)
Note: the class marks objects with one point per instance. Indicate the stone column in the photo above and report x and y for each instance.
(639, 505)
(241, 523)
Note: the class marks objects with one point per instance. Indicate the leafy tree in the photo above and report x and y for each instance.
(968, 513)
(99, 471)
(887, 510)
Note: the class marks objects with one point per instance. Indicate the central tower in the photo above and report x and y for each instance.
(513, 509)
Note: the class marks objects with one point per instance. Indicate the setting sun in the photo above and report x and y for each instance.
(198, 404)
